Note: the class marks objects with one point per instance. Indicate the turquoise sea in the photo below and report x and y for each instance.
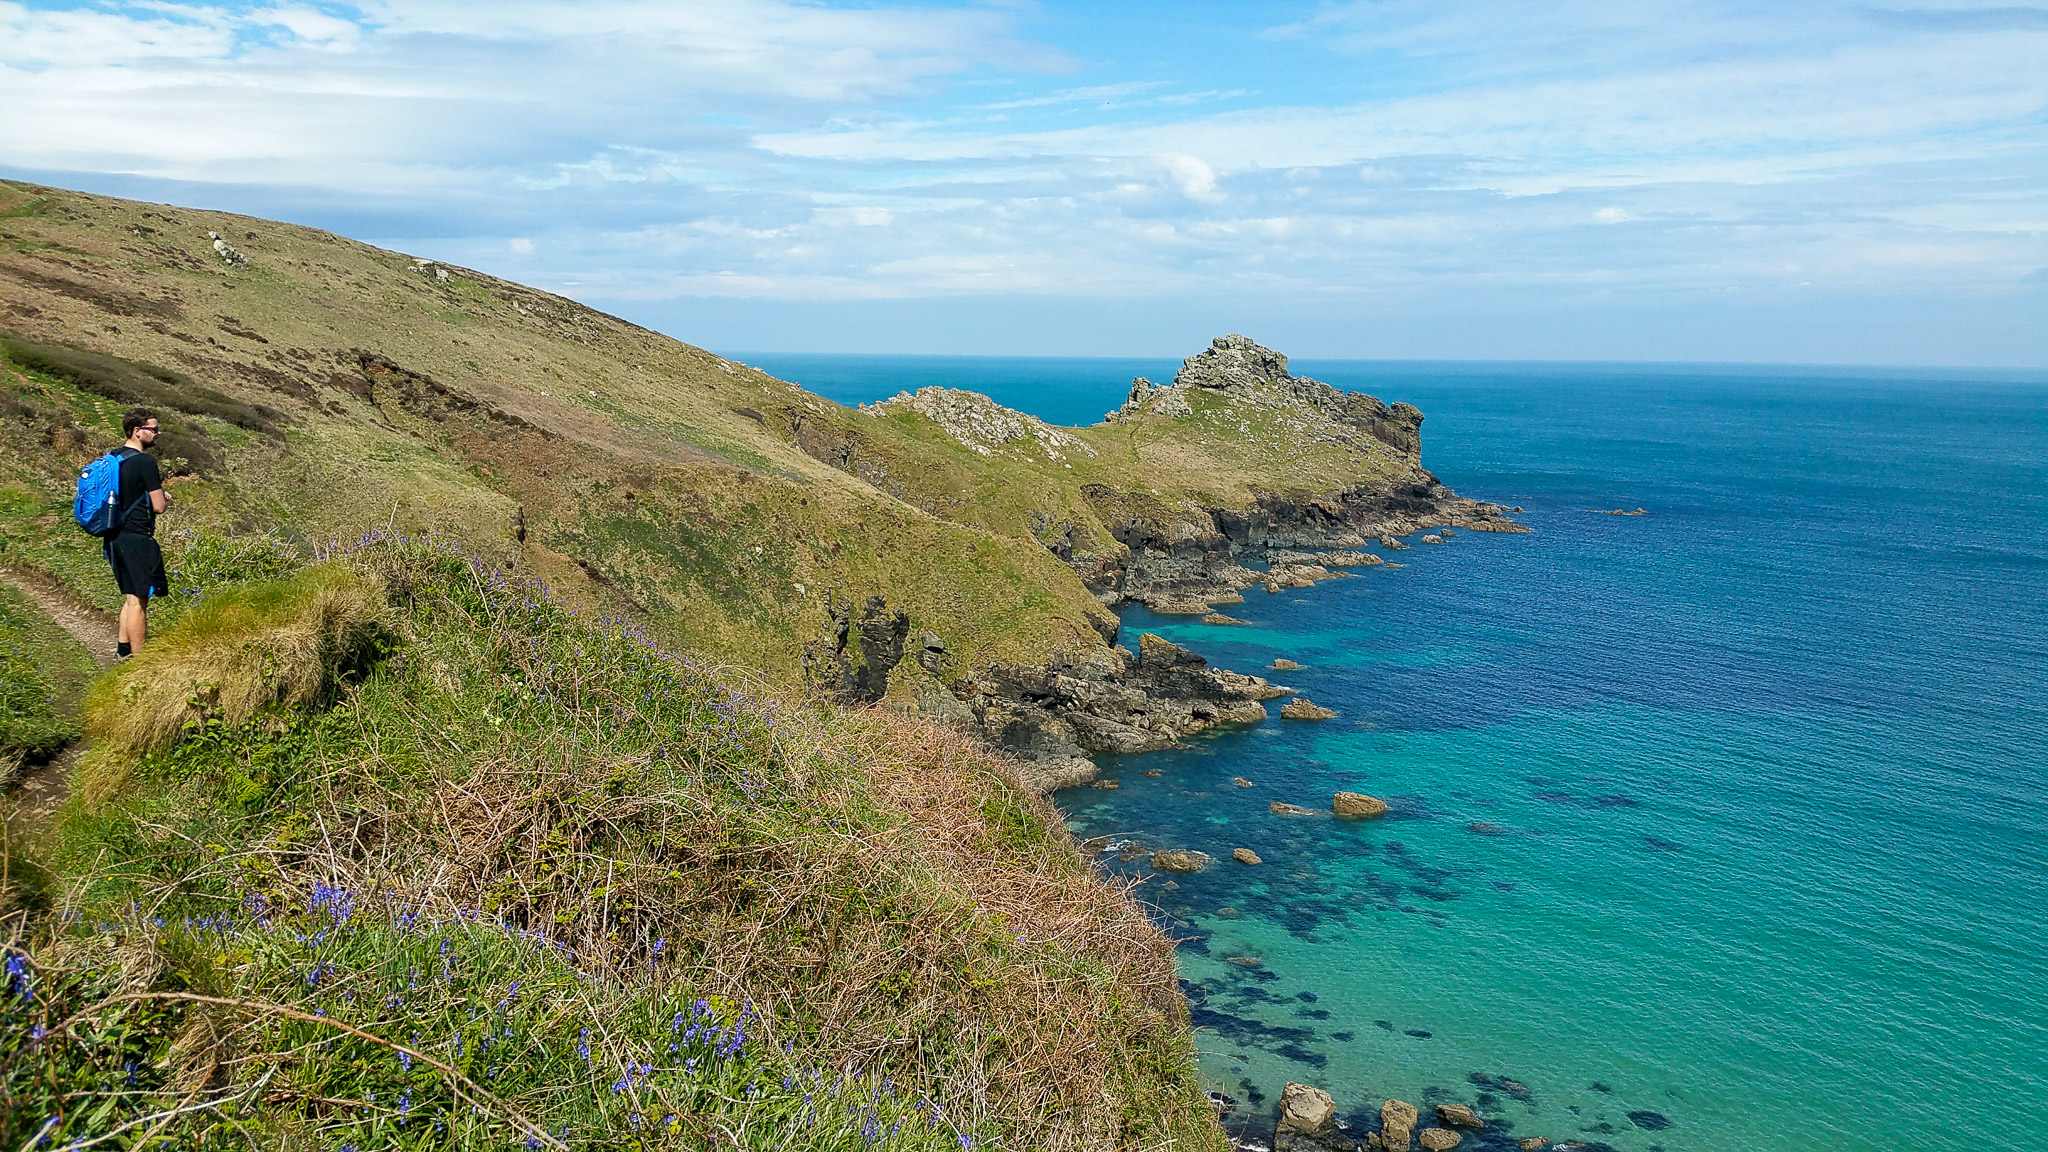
(1720, 827)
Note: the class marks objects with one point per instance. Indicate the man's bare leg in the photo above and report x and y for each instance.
(134, 623)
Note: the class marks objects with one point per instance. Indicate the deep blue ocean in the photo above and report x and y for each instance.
(1721, 827)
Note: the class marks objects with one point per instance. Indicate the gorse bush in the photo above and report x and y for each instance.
(515, 877)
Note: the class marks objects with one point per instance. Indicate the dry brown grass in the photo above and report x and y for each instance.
(282, 642)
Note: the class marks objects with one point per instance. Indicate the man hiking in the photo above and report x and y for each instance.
(132, 550)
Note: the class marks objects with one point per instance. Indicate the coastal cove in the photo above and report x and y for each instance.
(1712, 827)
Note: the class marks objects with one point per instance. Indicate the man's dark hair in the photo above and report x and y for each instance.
(136, 418)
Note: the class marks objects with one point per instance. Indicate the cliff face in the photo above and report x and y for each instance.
(315, 388)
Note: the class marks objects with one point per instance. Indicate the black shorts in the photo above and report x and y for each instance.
(138, 564)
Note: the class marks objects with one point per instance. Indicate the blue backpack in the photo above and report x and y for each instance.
(97, 505)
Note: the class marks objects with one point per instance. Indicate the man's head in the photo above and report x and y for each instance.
(140, 425)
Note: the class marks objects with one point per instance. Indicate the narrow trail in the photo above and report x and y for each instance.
(42, 790)
(90, 626)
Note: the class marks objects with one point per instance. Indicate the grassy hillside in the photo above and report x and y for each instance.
(394, 851)
(320, 388)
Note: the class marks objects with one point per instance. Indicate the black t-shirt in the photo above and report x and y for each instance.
(139, 477)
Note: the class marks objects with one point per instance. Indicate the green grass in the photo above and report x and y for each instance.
(515, 794)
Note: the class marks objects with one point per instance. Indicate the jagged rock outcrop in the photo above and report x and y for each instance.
(853, 659)
(1177, 554)
(983, 426)
(1147, 397)
(1055, 714)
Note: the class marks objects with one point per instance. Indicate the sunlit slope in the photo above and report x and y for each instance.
(640, 472)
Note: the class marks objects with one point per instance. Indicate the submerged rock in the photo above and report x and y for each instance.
(1533, 1143)
(1105, 785)
(1154, 773)
(1653, 1121)
(1358, 805)
(1282, 808)
(1458, 1116)
(1302, 708)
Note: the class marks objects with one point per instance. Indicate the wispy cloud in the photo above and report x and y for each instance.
(786, 150)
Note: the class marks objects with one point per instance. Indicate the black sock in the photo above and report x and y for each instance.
(122, 649)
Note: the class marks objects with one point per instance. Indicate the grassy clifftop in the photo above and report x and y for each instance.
(393, 851)
(322, 388)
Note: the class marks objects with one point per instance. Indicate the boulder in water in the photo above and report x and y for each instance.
(1440, 1139)
(1245, 856)
(1397, 1125)
(1180, 860)
(1282, 808)
(1302, 708)
(1307, 1110)
(1358, 804)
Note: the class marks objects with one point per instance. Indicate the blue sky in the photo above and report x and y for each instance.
(1661, 180)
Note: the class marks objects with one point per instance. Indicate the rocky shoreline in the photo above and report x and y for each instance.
(1189, 560)
(1056, 716)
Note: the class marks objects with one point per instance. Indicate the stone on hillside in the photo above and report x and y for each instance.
(1358, 804)
(1179, 606)
(1397, 1125)
(1282, 808)
(1302, 708)
(1307, 1110)
(983, 426)
(1458, 1116)
(1245, 856)
(1283, 664)
(1180, 860)
(1226, 598)
(1440, 1139)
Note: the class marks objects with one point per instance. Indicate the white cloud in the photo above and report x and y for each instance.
(767, 149)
